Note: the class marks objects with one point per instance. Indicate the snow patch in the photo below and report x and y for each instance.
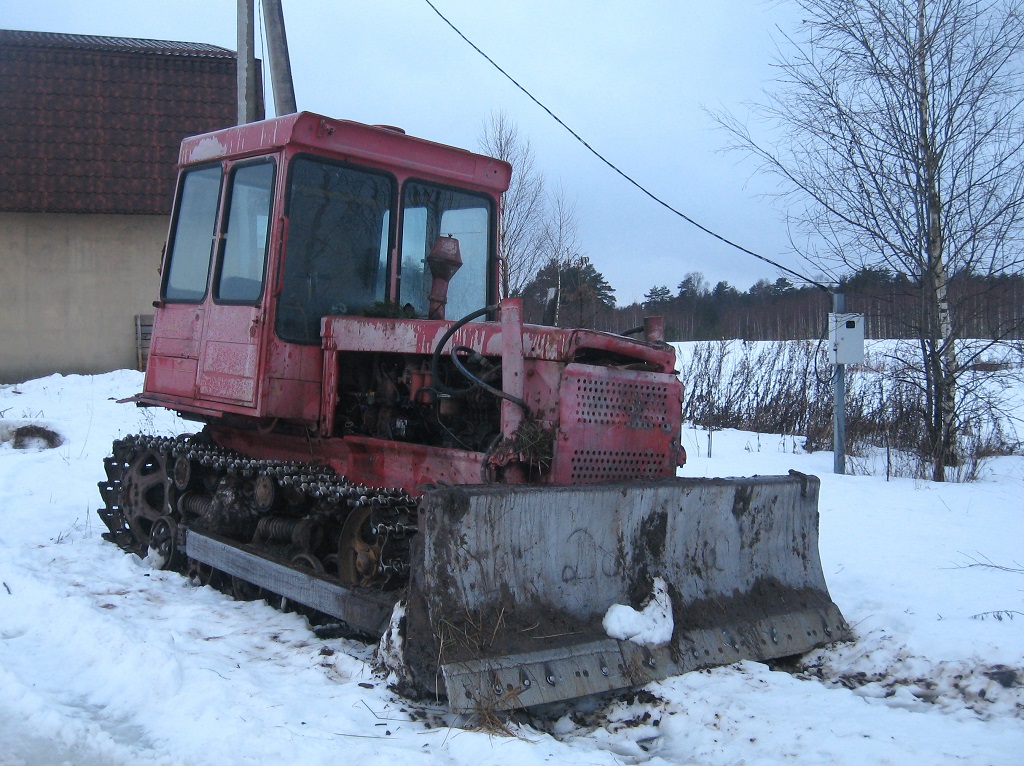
(879, 669)
(651, 626)
(391, 649)
(154, 559)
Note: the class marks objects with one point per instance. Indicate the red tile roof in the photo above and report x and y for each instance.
(93, 124)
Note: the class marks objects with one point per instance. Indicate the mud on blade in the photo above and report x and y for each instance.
(510, 585)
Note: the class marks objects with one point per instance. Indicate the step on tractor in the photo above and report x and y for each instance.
(386, 445)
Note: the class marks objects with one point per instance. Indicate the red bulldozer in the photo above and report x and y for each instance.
(384, 443)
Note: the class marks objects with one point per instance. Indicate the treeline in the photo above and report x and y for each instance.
(982, 306)
(767, 311)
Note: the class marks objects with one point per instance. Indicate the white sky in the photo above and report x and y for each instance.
(631, 77)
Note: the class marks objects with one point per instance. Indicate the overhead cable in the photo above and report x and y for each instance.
(615, 168)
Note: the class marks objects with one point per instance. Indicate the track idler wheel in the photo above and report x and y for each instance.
(358, 559)
(308, 561)
(182, 473)
(200, 574)
(303, 561)
(264, 493)
(243, 590)
(163, 543)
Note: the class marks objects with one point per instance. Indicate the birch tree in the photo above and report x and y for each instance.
(896, 132)
(520, 239)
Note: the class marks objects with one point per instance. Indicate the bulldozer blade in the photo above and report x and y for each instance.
(510, 584)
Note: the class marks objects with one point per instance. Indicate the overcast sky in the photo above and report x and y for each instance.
(632, 77)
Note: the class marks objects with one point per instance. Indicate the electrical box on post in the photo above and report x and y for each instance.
(846, 338)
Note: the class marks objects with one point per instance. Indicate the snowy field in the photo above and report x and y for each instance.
(104, 661)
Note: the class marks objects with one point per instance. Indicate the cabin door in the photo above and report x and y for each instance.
(229, 364)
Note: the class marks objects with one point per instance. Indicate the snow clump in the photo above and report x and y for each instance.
(651, 626)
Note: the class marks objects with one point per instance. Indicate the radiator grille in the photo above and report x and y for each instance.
(612, 465)
(621, 402)
(616, 425)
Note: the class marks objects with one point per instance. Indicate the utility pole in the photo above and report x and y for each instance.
(280, 62)
(839, 398)
(846, 346)
(246, 63)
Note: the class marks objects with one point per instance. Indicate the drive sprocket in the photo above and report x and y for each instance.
(146, 491)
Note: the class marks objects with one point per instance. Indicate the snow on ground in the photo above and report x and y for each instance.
(106, 661)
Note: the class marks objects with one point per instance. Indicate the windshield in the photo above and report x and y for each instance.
(335, 257)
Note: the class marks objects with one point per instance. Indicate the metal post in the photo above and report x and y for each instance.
(280, 62)
(246, 62)
(839, 400)
(513, 377)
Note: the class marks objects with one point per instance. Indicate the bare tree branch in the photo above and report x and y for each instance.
(523, 205)
(898, 138)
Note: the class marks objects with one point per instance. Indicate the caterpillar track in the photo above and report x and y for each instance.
(159, 488)
(473, 579)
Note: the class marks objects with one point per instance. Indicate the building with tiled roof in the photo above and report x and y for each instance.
(89, 135)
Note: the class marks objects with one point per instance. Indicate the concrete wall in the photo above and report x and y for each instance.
(70, 287)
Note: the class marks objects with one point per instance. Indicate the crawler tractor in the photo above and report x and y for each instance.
(386, 444)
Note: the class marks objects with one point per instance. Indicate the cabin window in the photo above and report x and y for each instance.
(429, 212)
(335, 257)
(192, 237)
(245, 238)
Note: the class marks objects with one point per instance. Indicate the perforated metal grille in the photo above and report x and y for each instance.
(611, 465)
(636, 404)
(617, 425)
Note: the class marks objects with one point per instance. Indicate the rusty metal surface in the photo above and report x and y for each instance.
(229, 363)
(559, 545)
(355, 142)
(364, 460)
(420, 336)
(616, 425)
(513, 372)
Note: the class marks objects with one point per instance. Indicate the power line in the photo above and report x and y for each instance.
(611, 165)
